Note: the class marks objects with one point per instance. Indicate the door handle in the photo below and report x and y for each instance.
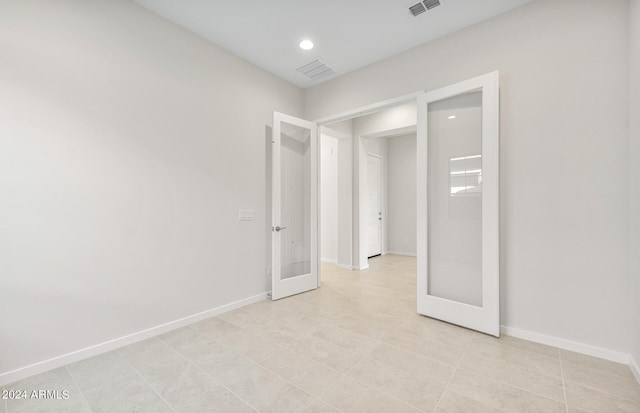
(278, 229)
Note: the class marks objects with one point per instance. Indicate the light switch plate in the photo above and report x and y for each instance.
(246, 215)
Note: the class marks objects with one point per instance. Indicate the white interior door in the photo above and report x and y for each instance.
(295, 206)
(374, 205)
(458, 196)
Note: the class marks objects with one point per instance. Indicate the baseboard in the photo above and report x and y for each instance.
(634, 367)
(53, 363)
(566, 344)
(345, 267)
(408, 254)
(329, 261)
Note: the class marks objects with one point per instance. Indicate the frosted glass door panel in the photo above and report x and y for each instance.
(294, 197)
(295, 201)
(454, 198)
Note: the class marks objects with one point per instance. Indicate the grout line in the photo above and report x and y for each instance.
(182, 356)
(126, 360)
(346, 375)
(506, 383)
(602, 372)
(455, 370)
(230, 348)
(519, 349)
(609, 394)
(75, 382)
(564, 387)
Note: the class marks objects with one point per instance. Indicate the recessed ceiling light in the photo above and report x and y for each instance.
(452, 117)
(306, 45)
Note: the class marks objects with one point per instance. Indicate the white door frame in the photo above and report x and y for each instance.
(359, 256)
(382, 195)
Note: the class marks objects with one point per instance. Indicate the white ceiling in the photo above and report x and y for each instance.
(348, 34)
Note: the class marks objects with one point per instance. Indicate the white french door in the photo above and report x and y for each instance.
(458, 200)
(294, 206)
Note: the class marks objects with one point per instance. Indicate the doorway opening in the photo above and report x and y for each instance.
(368, 187)
(456, 188)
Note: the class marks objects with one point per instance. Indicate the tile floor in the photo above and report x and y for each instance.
(354, 345)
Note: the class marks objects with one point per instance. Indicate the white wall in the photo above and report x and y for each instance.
(329, 198)
(634, 182)
(127, 146)
(401, 194)
(342, 131)
(564, 145)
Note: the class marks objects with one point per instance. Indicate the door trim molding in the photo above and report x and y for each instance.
(382, 200)
(365, 110)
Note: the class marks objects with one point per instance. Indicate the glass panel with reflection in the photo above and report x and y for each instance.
(295, 240)
(454, 147)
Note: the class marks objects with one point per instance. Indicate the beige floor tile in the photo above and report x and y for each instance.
(595, 401)
(147, 352)
(524, 359)
(500, 395)
(520, 344)
(418, 392)
(215, 359)
(434, 330)
(305, 309)
(346, 339)
(349, 396)
(52, 406)
(184, 338)
(379, 328)
(499, 369)
(215, 327)
(298, 327)
(261, 388)
(608, 383)
(319, 406)
(177, 380)
(429, 347)
(217, 399)
(255, 347)
(576, 410)
(303, 372)
(595, 363)
(99, 370)
(129, 394)
(415, 364)
(56, 381)
(324, 352)
(456, 403)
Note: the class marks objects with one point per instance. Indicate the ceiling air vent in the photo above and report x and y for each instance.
(420, 8)
(430, 4)
(316, 70)
(417, 9)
